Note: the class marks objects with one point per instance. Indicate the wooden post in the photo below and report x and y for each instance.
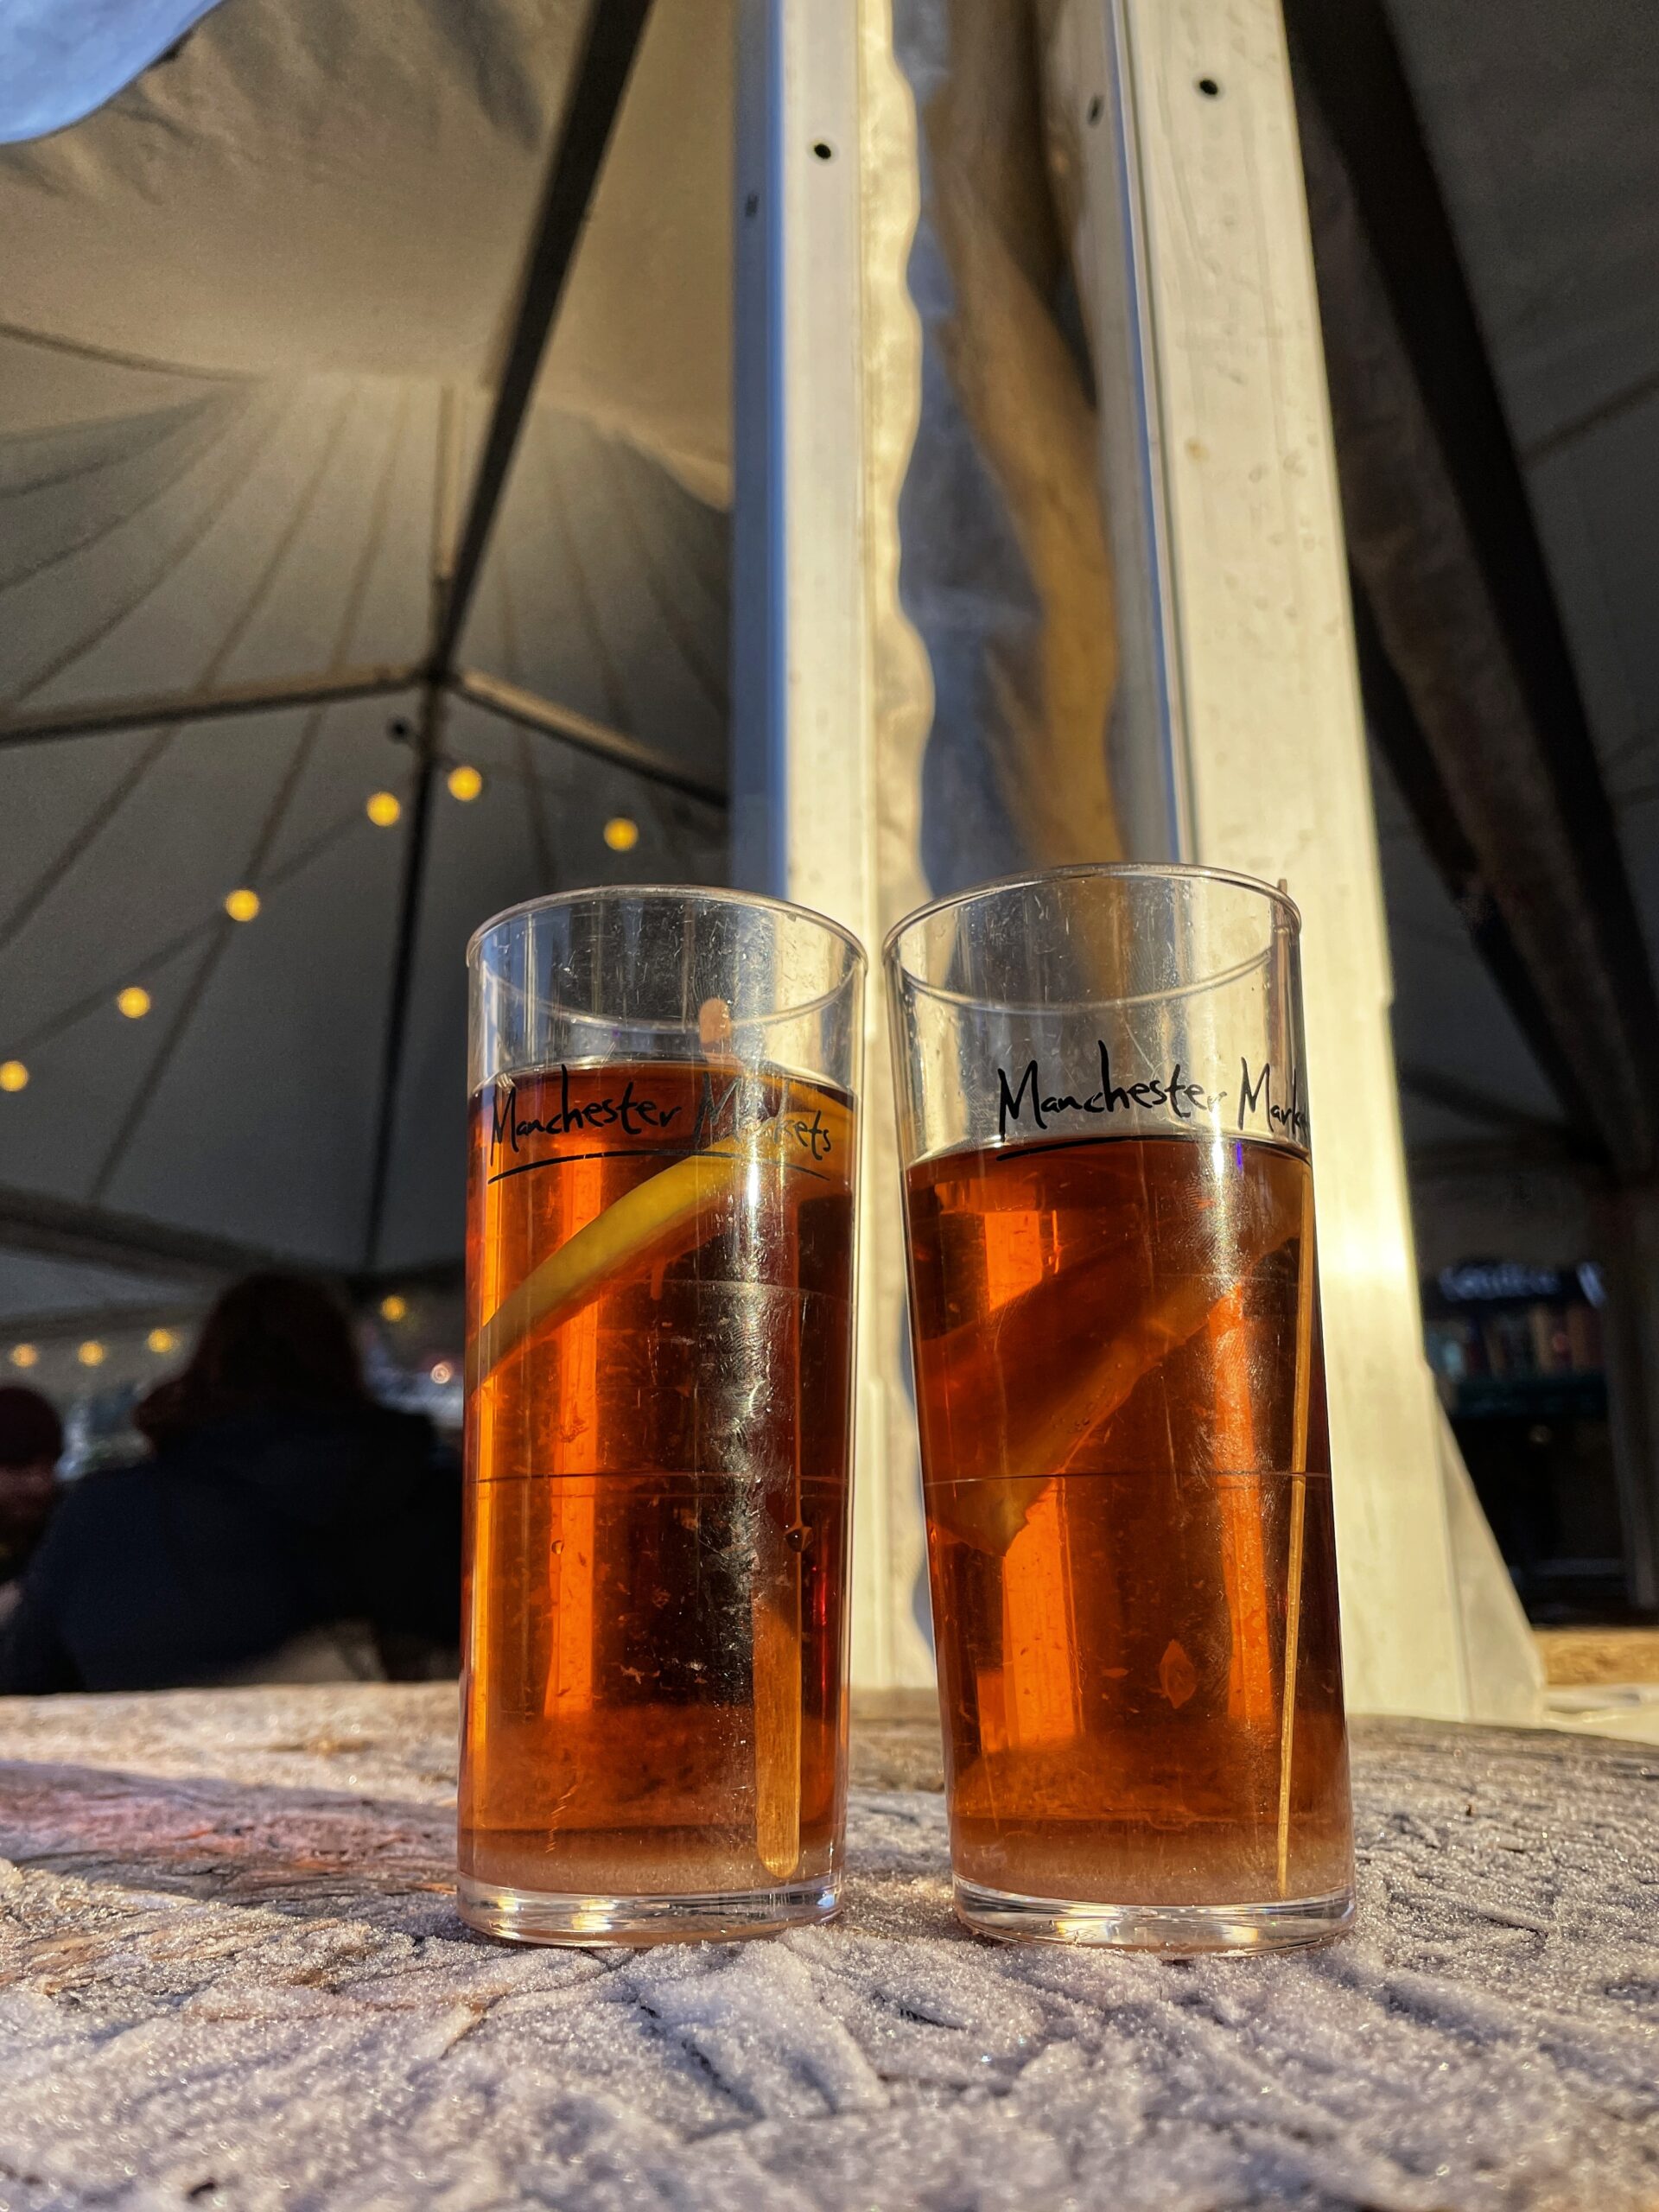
(1192, 193)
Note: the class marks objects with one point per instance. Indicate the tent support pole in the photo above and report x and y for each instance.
(825, 671)
(615, 30)
(403, 965)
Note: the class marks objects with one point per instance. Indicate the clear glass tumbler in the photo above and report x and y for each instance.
(1115, 1315)
(659, 1266)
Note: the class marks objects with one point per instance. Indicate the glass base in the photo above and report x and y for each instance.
(706, 1917)
(1283, 1924)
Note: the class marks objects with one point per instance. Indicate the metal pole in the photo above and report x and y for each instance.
(615, 30)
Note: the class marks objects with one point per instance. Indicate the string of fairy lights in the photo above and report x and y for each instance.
(163, 1343)
(94, 1351)
(244, 904)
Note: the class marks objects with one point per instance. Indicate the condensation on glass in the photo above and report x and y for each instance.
(660, 1251)
(1115, 1311)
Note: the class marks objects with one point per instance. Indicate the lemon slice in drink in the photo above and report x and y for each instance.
(638, 1224)
(990, 1514)
(639, 1227)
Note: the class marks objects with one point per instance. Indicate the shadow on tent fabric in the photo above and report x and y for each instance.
(283, 1516)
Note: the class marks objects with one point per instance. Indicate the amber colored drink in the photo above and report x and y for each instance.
(657, 1492)
(1128, 1499)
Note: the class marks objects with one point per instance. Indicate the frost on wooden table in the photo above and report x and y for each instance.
(231, 1975)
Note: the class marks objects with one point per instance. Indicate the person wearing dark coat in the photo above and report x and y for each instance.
(31, 1443)
(278, 1499)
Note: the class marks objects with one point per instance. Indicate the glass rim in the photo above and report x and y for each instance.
(714, 894)
(1026, 879)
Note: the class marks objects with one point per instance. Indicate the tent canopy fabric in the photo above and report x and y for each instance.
(1547, 159)
(253, 307)
(309, 188)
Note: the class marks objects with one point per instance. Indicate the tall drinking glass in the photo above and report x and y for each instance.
(1115, 1314)
(659, 1272)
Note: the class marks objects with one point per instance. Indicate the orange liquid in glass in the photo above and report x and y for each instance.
(657, 1492)
(1126, 1461)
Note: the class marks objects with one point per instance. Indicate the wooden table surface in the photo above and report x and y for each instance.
(232, 1975)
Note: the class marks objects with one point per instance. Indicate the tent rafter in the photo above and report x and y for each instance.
(610, 44)
(609, 47)
(403, 965)
(1475, 1103)
(208, 702)
(512, 703)
(1432, 486)
(64, 1229)
(530, 710)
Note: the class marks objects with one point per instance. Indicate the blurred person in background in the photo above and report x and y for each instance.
(285, 1528)
(31, 1443)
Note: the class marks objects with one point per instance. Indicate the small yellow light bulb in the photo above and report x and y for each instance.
(621, 835)
(90, 1353)
(465, 782)
(242, 906)
(162, 1340)
(25, 1355)
(394, 1307)
(383, 809)
(14, 1076)
(134, 1002)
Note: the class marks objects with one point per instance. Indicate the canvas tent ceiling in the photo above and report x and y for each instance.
(252, 307)
(1545, 152)
(235, 297)
(310, 187)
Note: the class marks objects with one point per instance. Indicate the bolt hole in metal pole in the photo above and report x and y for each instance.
(824, 150)
(1096, 108)
(1210, 88)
